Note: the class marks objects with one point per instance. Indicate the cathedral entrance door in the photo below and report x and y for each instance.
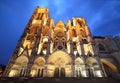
(59, 64)
(56, 73)
(62, 72)
(59, 72)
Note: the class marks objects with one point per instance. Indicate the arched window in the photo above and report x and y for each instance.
(84, 41)
(89, 54)
(101, 47)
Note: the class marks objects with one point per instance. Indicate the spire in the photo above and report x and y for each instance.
(60, 23)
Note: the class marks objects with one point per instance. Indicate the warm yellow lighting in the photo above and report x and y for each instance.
(50, 73)
(33, 73)
(74, 22)
(68, 73)
(91, 61)
(36, 22)
(20, 51)
(98, 73)
(45, 21)
(39, 48)
(44, 51)
(79, 61)
(86, 50)
(12, 73)
(68, 48)
(63, 58)
(42, 10)
(74, 39)
(109, 64)
(91, 49)
(75, 52)
(50, 70)
(84, 73)
(29, 52)
(79, 50)
(45, 39)
(51, 48)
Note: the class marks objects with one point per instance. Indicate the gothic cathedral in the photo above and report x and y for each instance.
(63, 50)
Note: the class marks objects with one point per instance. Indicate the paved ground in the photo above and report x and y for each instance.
(57, 80)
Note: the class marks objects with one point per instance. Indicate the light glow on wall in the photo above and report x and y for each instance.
(98, 73)
(33, 73)
(39, 48)
(45, 39)
(44, 51)
(12, 73)
(68, 48)
(75, 52)
(20, 51)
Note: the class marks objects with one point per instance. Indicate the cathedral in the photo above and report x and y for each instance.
(46, 49)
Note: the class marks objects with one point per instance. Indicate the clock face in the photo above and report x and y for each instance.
(60, 34)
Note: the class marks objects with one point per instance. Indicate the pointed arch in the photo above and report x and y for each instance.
(60, 55)
(38, 67)
(80, 70)
(23, 60)
(94, 68)
(101, 47)
(19, 67)
(91, 61)
(59, 61)
(89, 54)
(60, 23)
(40, 61)
(79, 61)
(60, 26)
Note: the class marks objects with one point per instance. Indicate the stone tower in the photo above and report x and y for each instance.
(60, 50)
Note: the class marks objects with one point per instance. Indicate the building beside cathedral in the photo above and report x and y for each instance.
(2, 68)
(63, 50)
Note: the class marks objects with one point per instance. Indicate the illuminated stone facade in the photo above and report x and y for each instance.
(62, 50)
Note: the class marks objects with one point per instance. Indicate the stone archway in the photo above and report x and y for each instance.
(80, 70)
(37, 69)
(94, 68)
(59, 64)
(19, 68)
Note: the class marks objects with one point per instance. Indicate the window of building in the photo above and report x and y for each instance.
(101, 47)
(39, 16)
(80, 23)
(84, 41)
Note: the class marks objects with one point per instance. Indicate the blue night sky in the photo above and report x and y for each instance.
(102, 16)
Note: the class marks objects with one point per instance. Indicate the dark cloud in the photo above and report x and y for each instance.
(102, 16)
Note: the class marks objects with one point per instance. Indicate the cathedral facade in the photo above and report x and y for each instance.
(63, 50)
